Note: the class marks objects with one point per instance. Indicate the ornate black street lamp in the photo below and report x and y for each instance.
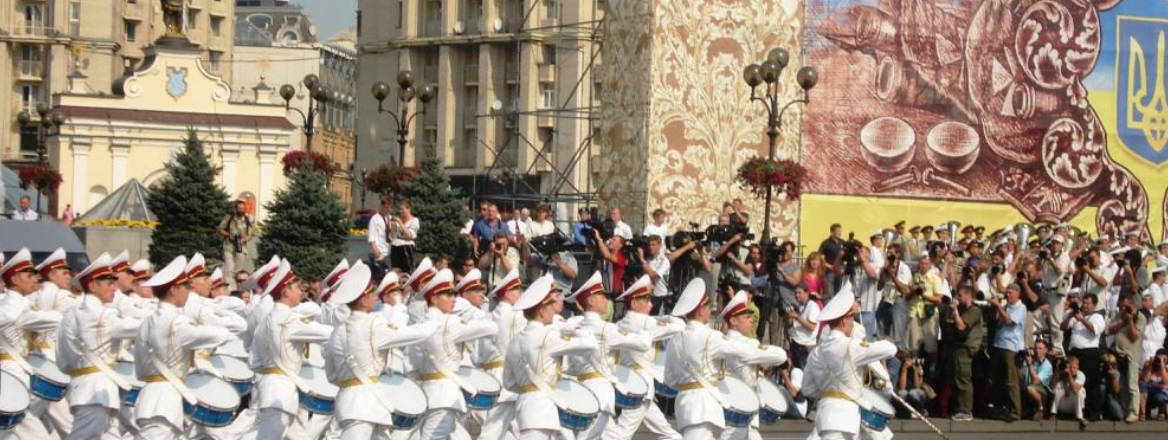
(49, 125)
(318, 96)
(406, 93)
(768, 72)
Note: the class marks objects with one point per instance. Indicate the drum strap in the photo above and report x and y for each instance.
(164, 370)
(16, 356)
(700, 378)
(91, 356)
(454, 377)
(363, 376)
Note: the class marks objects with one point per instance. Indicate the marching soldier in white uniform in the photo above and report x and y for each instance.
(136, 274)
(164, 352)
(832, 373)
(739, 320)
(480, 353)
(501, 417)
(200, 307)
(90, 340)
(395, 314)
(355, 357)
(277, 353)
(637, 320)
(126, 303)
(594, 369)
(440, 358)
(690, 368)
(55, 294)
(534, 361)
(331, 313)
(419, 278)
(19, 317)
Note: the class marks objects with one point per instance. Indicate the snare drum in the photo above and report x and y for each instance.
(319, 395)
(409, 401)
(488, 388)
(47, 381)
(234, 348)
(875, 410)
(216, 400)
(634, 386)
(741, 402)
(659, 386)
(772, 401)
(234, 371)
(125, 370)
(14, 400)
(315, 356)
(577, 405)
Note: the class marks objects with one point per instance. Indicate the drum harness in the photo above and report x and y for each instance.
(537, 378)
(91, 354)
(360, 375)
(698, 377)
(445, 372)
(164, 370)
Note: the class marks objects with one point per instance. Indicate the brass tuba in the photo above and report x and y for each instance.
(1023, 231)
(952, 226)
(889, 235)
(1076, 237)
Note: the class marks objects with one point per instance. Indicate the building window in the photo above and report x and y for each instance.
(31, 61)
(290, 38)
(34, 19)
(549, 55)
(75, 18)
(131, 28)
(192, 19)
(216, 58)
(29, 96)
(548, 93)
(216, 26)
(553, 8)
(262, 22)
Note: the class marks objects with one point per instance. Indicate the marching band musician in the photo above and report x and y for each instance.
(127, 304)
(534, 360)
(278, 349)
(739, 322)
(418, 307)
(660, 329)
(139, 272)
(689, 367)
(832, 372)
(164, 351)
(332, 313)
(18, 318)
(260, 304)
(90, 339)
(55, 294)
(501, 417)
(355, 356)
(480, 353)
(200, 308)
(440, 357)
(594, 369)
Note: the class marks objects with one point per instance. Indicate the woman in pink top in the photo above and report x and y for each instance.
(813, 269)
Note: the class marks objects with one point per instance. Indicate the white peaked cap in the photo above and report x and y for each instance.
(691, 297)
(353, 284)
(174, 270)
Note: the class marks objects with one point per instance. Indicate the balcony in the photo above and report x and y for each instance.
(547, 73)
(32, 70)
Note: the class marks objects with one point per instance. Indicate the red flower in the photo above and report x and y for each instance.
(297, 160)
(389, 179)
(784, 176)
(42, 177)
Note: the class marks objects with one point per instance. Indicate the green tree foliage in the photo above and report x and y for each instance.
(189, 206)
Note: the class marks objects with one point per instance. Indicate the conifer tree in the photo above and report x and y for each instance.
(439, 211)
(306, 225)
(189, 206)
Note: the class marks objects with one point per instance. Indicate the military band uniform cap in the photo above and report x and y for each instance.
(55, 260)
(280, 278)
(737, 304)
(196, 266)
(473, 280)
(352, 285)
(876, 233)
(926, 228)
(593, 285)
(172, 272)
(693, 296)
(441, 282)
(388, 283)
(1160, 269)
(253, 280)
(915, 229)
(335, 275)
(20, 262)
(99, 268)
(121, 262)
(421, 274)
(539, 292)
(216, 277)
(967, 229)
(898, 224)
(839, 305)
(509, 282)
(1116, 250)
(642, 287)
(1057, 239)
(140, 270)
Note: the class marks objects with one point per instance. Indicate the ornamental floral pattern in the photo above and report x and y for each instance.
(676, 118)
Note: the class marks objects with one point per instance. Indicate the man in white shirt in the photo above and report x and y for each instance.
(804, 326)
(1162, 256)
(658, 227)
(1056, 274)
(619, 226)
(870, 296)
(1086, 327)
(520, 224)
(377, 233)
(656, 266)
(25, 213)
(993, 282)
(1156, 288)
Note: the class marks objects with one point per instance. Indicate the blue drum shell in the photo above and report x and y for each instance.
(767, 416)
(629, 401)
(573, 421)
(317, 405)
(9, 421)
(404, 422)
(45, 389)
(664, 390)
(873, 419)
(737, 419)
(208, 417)
(480, 400)
(243, 388)
(129, 398)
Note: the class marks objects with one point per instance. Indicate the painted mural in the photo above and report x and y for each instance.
(1055, 108)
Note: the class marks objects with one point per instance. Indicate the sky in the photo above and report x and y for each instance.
(330, 16)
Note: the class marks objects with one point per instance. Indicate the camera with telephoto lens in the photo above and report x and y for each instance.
(1074, 307)
(997, 269)
(852, 249)
(606, 228)
(1043, 254)
(550, 244)
(723, 233)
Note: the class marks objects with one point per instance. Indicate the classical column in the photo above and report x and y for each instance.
(120, 153)
(230, 159)
(80, 175)
(267, 157)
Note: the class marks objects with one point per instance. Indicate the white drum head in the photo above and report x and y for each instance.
(232, 368)
(315, 356)
(14, 396)
(406, 395)
(576, 397)
(630, 381)
(738, 395)
(317, 382)
(212, 391)
(771, 397)
(234, 348)
(46, 368)
(480, 379)
(125, 370)
(877, 402)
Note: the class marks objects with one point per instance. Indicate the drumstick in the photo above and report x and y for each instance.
(918, 415)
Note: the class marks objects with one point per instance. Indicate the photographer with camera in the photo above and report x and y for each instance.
(614, 261)
(1038, 375)
(236, 231)
(1008, 342)
(557, 260)
(1127, 327)
(1029, 279)
(498, 259)
(923, 300)
(871, 296)
(656, 266)
(1092, 277)
(1086, 327)
(895, 282)
(730, 259)
(804, 325)
(963, 330)
(1154, 385)
(1070, 391)
(1056, 267)
(993, 282)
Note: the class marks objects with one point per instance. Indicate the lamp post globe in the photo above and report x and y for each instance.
(807, 77)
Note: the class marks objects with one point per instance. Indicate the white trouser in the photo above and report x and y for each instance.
(597, 429)
(836, 435)
(500, 423)
(542, 434)
(126, 423)
(1070, 404)
(439, 424)
(274, 424)
(312, 425)
(56, 416)
(92, 422)
(631, 419)
(360, 430)
(700, 431)
(736, 433)
(157, 428)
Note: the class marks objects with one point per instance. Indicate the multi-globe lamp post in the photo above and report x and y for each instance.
(768, 73)
(49, 125)
(318, 96)
(403, 118)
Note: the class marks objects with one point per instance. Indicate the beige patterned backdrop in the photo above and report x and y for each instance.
(677, 121)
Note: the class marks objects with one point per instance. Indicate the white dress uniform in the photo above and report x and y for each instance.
(533, 364)
(166, 345)
(440, 359)
(357, 349)
(691, 361)
(129, 304)
(18, 318)
(55, 415)
(277, 354)
(90, 340)
(832, 374)
(594, 369)
(648, 413)
(746, 371)
(500, 421)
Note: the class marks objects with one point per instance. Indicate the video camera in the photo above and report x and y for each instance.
(606, 228)
(723, 233)
(852, 249)
(550, 244)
